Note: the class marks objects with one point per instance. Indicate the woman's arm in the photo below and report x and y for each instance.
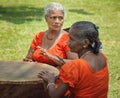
(53, 92)
(28, 57)
(58, 92)
(71, 56)
(58, 60)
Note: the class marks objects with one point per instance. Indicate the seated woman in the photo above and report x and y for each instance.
(50, 46)
(86, 77)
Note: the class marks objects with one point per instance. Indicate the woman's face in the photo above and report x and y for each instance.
(55, 20)
(74, 43)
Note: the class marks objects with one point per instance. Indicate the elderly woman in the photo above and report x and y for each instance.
(86, 77)
(50, 46)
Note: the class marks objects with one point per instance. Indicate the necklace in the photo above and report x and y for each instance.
(86, 53)
(55, 35)
(48, 37)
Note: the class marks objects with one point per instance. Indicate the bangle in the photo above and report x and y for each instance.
(50, 84)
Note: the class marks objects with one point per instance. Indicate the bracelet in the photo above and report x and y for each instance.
(50, 84)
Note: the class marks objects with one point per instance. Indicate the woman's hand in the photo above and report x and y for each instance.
(43, 51)
(27, 60)
(47, 76)
(58, 60)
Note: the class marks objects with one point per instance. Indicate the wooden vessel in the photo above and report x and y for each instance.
(19, 79)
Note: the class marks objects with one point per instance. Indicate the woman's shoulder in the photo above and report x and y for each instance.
(65, 36)
(74, 63)
(65, 33)
(104, 55)
(39, 34)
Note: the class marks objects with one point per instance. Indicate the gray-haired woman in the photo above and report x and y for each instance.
(50, 46)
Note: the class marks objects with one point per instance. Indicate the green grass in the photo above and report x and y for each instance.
(20, 20)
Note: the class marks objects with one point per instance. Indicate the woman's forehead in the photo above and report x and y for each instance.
(73, 31)
(73, 35)
(56, 12)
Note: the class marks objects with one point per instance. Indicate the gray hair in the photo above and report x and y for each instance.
(53, 6)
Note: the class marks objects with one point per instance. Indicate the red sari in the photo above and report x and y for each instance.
(59, 49)
(83, 82)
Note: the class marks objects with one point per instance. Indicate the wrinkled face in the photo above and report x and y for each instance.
(55, 20)
(74, 42)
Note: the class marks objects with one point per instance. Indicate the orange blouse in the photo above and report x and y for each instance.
(59, 49)
(83, 82)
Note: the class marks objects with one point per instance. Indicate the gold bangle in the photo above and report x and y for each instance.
(50, 84)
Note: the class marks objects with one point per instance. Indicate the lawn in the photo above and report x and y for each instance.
(20, 20)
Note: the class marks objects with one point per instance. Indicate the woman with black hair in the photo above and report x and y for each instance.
(86, 77)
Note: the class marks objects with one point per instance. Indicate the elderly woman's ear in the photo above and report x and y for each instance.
(86, 43)
(45, 17)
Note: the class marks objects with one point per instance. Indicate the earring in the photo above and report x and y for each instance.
(84, 46)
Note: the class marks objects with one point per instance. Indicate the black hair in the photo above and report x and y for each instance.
(88, 30)
(67, 29)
